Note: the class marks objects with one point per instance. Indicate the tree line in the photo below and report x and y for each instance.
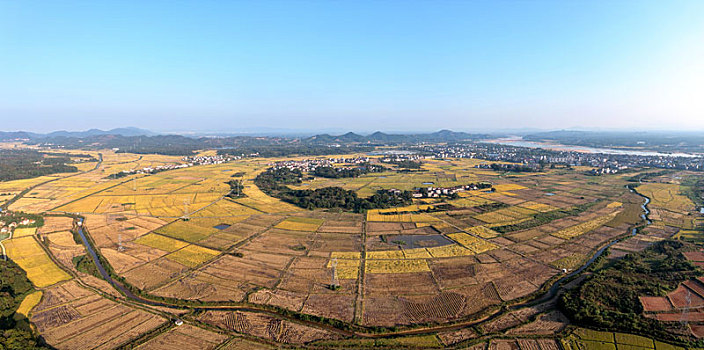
(15, 330)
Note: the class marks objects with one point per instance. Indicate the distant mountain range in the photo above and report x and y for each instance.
(350, 137)
(383, 138)
(25, 135)
(143, 141)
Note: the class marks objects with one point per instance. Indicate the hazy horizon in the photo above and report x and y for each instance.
(352, 66)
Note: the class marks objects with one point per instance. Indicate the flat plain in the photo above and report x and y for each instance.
(174, 236)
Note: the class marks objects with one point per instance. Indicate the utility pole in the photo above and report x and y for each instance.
(334, 285)
(185, 210)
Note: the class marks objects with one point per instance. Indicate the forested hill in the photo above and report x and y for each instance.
(25, 164)
(383, 138)
(263, 146)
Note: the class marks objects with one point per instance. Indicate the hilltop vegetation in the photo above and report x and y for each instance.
(273, 182)
(609, 299)
(331, 172)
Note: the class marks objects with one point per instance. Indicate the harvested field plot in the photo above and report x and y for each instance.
(185, 337)
(56, 223)
(148, 276)
(265, 327)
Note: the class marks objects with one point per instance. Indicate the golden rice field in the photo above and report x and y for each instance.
(540, 207)
(41, 270)
(16, 186)
(258, 200)
(416, 253)
(300, 224)
(211, 222)
(224, 207)
(346, 255)
(469, 201)
(666, 196)
(481, 231)
(614, 205)
(449, 251)
(510, 222)
(373, 215)
(405, 209)
(346, 268)
(582, 228)
(504, 215)
(472, 243)
(24, 231)
(161, 242)
(187, 230)
(28, 303)
(192, 255)
(569, 262)
(396, 266)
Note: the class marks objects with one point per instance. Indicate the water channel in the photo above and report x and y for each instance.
(520, 142)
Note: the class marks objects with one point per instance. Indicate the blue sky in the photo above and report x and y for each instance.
(351, 65)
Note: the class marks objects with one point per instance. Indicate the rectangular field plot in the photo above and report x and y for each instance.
(152, 274)
(193, 255)
(86, 320)
(223, 208)
(56, 223)
(504, 215)
(185, 337)
(396, 266)
(188, 231)
(24, 232)
(483, 232)
(346, 268)
(579, 229)
(449, 251)
(418, 218)
(476, 245)
(27, 253)
(263, 326)
(300, 224)
(161, 242)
